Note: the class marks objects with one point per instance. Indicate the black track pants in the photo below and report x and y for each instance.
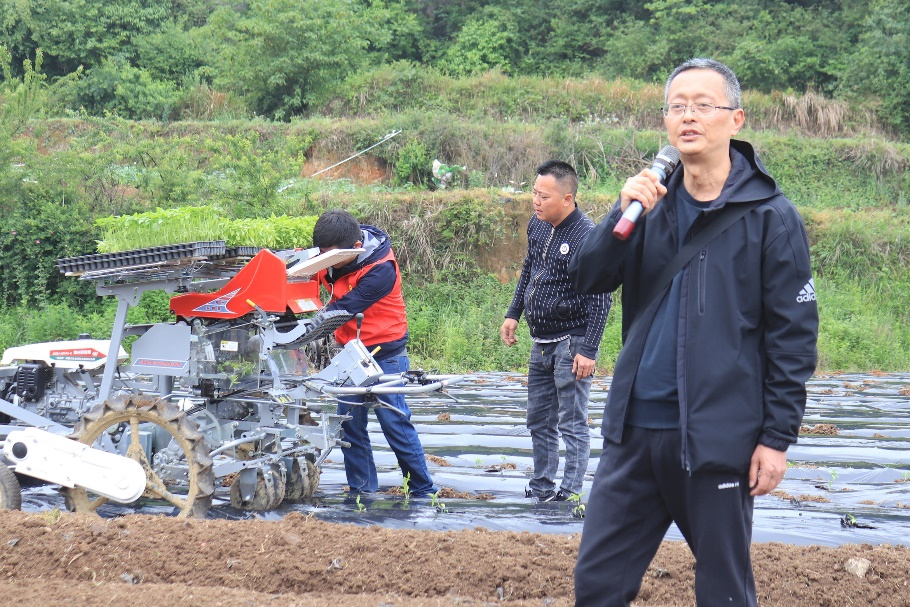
(639, 489)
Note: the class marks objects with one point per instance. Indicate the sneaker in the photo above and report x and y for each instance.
(557, 496)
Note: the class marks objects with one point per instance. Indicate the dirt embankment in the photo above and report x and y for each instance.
(51, 559)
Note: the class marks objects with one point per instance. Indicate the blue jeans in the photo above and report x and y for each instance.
(557, 406)
(398, 430)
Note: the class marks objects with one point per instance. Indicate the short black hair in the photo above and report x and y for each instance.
(563, 172)
(336, 228)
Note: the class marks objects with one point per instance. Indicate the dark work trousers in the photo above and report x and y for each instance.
(639, 489)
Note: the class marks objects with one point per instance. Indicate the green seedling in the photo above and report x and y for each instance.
(832, 479)
(405, 486)
(478, 462)
(906, 475)
(434, 501)
(202, 223)
(360, 506)
(578, 510)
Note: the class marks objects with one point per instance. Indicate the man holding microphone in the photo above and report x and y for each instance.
(709, 388)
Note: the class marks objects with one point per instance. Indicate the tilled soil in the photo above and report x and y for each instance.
(52, 558)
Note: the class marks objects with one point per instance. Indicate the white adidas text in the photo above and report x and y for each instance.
(807, 293)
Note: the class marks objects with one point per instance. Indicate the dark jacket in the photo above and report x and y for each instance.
(546, 295)
(748, 319)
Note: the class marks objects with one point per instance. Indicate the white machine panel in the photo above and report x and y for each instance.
(63, 461)
(86, 353)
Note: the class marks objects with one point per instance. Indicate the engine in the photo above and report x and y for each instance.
(49, 392)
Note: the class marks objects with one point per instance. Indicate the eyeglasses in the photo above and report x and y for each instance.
(702, 110)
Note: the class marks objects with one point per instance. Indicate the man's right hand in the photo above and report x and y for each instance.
(507, 332)
(645, 187)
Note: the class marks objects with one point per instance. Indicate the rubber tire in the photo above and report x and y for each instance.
(10, 491)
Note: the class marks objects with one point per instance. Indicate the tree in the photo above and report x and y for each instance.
(487, 41)
(75, 33)
(397, 33)
(880, 65)
(283, 55)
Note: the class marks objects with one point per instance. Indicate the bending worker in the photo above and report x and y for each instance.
(371, 284)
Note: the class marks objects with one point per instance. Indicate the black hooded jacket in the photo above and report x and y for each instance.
(748, 318)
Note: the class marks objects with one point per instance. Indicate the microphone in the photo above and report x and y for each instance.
(664, 163)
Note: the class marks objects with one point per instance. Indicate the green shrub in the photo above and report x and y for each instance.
(454, 326)
(35, 230)
(414, 163)
(117, 88)
(53, 322)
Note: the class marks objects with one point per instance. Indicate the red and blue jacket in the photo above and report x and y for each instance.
(371, 285)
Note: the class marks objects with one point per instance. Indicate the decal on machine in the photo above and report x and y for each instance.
(219, 304)
(157, 362)
(77, 354)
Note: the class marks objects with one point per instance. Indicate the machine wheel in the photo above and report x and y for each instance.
(10, 491)
(113, 416)
(303, 480)
(268, 494)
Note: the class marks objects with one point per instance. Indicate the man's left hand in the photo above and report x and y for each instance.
(582, 366)
(766, 470)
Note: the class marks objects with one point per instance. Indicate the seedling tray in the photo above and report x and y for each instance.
(237, 253)
(72, 266)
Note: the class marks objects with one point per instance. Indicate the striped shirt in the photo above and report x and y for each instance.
(546, 296)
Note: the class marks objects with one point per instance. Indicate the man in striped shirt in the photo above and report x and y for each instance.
(566, 328)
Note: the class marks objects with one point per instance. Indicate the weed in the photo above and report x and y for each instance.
(478, 462)
(360, 507)
(440, 507)
(52, 516)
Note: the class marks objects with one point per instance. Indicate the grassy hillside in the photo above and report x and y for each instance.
(462, 246)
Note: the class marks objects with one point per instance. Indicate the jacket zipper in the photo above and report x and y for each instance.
(683, 400)
(702, 278)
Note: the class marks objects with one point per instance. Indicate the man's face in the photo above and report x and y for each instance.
(701, 136)
(551, 203)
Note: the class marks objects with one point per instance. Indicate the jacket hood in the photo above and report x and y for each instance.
(748, 181)
(377, 245)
